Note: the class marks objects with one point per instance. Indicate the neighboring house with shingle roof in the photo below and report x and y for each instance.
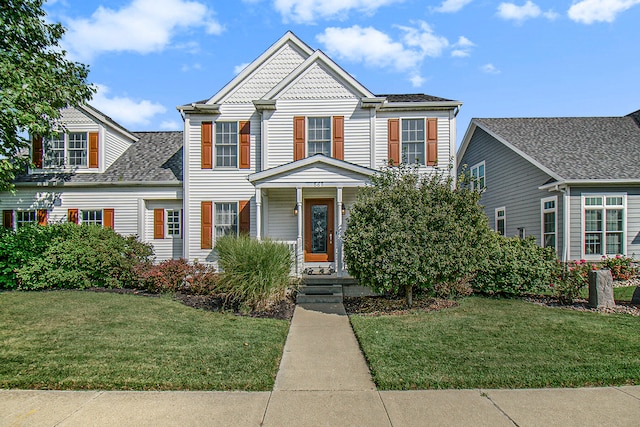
(561, 176)
(292, 132)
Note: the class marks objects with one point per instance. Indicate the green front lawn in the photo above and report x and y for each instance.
(490, 343)
(86, 340)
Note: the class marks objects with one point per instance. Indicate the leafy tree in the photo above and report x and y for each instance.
(36, 81)
(410, 231)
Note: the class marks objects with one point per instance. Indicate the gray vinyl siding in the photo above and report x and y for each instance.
(511, 182)
(632, 237)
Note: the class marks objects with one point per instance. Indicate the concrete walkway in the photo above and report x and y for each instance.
(324, 381)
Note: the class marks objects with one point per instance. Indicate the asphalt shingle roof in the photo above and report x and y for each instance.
(156, 157)
(597, 148)
(412, 97)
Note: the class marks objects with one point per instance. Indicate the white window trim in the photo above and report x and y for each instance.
(477, 166)
(81, 215)
(544, 211)
(583, 206)
(66, 164)
(215, 225)
(424, 140)
(308, 128)
(215, 145)
(504, 217)
(166, 224)
(24, 223)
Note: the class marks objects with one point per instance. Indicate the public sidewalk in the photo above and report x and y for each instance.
(324, 381)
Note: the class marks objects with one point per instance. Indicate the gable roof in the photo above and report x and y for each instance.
(156, 159)
(106, 120)
(570, 148)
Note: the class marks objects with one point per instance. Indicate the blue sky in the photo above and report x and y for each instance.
(526, 58)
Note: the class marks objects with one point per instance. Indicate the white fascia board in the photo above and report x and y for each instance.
(101, 184)
(107, 121)
(307, 161)
(590, 182)
(318, 56)
(465, 141)
(520, 152)
(196, 108)
(258, 62)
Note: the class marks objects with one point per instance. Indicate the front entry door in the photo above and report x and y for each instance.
(318, 230)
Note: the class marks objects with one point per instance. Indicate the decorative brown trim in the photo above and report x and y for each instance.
(108, 218)
(7, 218)
(394, 141)
(94, 150)
(36, 152)
(158, 223)
(245, 216)
(338, 137)
(298, 138)
(245, 144)
(206, 138)
(432, 142)
(72, 215)
(206, 225)
(42, 216)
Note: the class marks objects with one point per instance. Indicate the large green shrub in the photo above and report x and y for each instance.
(253, 271)
(18, 248)
(85, 256)
(515, 267)
(411, 231)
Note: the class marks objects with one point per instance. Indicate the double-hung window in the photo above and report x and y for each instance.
(227, 144)
(604, 224)
(226, 219)
(173, 222)
(67, 149)
(501, 221)
(549, 210)
(93, 217)
(478, 176)
(25, 218)
(319, 136)
(413, 150)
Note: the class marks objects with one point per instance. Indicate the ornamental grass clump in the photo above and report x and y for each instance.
(252, 272)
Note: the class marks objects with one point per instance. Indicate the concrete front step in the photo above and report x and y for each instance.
(325, 293)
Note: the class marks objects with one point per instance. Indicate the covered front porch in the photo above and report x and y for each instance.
(306, 204)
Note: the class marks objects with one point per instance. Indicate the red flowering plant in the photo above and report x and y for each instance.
(621, 267)
(571, 278)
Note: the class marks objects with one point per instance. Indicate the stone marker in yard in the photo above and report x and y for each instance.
(601, 289)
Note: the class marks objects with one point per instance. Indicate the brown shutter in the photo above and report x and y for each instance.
(108, 217)
(206, 136)
(206, 225)
(432, 142)
(42, 216)
(298, 138)
(36, 149)
(245, 216)
(338, 137)
(394, 141)
(93, 150)
(7, 219)
(158, 223)
(245, 144)
(72, 215)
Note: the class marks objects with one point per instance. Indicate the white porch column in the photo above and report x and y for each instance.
(258, 213)
(299, 249)
(338, 248)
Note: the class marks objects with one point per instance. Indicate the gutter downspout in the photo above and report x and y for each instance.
(566, 223)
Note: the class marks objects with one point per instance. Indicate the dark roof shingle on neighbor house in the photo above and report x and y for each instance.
(575, 148)
(156, 157)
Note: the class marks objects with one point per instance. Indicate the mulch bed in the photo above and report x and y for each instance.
(393, 306)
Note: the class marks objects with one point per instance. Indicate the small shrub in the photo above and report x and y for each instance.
(620, 266)
(515, 267)
(177, 275)
(85, 256)
(253, 271)
(570, 280)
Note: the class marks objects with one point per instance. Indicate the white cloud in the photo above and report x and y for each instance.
(489, 69)
(451, 6)
(125, 110)
(375, 48)
(511, 11)
(142, 26)
(187, 67)
(306, 11)
(238, 68)
(590, 11)
(462, 47)
(170, 125)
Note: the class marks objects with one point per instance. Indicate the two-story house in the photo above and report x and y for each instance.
(278, 152)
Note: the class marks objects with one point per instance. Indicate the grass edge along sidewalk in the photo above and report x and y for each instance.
(74, 340)
(492, 343)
